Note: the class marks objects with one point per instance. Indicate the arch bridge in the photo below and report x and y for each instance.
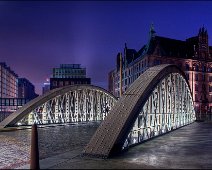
(75, 103)
(157, 102)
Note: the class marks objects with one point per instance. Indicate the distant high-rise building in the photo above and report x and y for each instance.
(46, 87)
(69, 71)
(26, 89)
(193, 56)
(14, 91)
(8, 90)
(68, 74)
(8, 82)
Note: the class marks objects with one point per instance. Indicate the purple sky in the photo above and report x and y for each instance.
(37, 36)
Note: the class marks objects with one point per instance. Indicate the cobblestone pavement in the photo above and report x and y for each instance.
(189, 147)
(53, 140)
(14, 151)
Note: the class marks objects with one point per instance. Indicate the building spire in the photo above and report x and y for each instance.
(152, 31)
(151, 35)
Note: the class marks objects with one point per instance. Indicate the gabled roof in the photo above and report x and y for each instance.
(167, 47)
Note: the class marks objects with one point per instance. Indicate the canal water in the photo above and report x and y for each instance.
(53, 140)
(186, 147)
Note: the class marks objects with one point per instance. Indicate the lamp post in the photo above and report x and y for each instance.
(120, 75)
(200, 104)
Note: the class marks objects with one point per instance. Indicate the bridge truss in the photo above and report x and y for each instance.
(158, 101)
(76, 103)
(168, 107)
(74, 106)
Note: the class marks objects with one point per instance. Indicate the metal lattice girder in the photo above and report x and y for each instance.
(157, 102)
(162, 121)
(75, 103)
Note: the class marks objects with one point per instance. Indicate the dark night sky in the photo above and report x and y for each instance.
(37, 36)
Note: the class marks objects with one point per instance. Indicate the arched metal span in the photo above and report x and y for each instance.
(75, 103)
(157, 102)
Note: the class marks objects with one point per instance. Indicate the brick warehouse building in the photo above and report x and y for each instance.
(193, 56)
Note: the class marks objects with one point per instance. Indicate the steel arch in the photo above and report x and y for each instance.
(75, 103)
(158, 101)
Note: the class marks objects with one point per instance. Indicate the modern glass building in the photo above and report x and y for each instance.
(46, 87)
(69, 71)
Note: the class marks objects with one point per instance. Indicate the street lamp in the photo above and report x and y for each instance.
(120, 74)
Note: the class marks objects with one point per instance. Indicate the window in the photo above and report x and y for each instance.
(196, 77)
(125, 81)
(203, 77)
(54, 83)
(210, 78)
(187, 67)
(196, 87)
(203, 68)
(157, 62)
(210, 88)
(187, 75)
(196, 68)
(196, 97)
(60, 83)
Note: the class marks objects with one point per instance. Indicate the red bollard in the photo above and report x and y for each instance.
(34, 155)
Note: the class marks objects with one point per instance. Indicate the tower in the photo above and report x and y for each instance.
(203, 50)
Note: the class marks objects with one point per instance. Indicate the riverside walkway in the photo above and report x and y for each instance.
(187, 147)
